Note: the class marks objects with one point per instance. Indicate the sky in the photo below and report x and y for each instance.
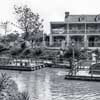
(49, 10)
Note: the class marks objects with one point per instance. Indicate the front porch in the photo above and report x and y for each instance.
(85, 41)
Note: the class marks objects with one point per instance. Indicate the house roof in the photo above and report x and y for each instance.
(82, 18)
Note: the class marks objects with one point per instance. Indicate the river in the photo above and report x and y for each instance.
(49, 84)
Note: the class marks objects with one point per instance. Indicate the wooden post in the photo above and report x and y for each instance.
(16, 61)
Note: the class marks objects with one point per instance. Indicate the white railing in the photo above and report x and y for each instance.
(59, 32)
(76, 31)
(93, 31)
(83, 31)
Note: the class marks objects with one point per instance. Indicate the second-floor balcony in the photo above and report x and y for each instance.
(93, 31)
(76, 31)
(83, 31)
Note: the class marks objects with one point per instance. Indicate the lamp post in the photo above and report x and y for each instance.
(4, 25)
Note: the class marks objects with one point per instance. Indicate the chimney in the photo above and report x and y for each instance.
(66, 14)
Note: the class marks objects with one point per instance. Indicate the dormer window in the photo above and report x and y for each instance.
(81, 18)
(97, 18)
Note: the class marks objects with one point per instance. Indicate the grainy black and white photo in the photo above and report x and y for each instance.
(49, 50)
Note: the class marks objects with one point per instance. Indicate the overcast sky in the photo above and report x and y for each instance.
(50, 10)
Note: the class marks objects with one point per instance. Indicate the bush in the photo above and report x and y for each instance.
(15, 51)
(36, 52)
(69, 53)
(8, 88)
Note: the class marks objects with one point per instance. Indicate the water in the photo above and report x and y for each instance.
(49, 84)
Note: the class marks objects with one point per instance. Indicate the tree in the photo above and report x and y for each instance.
(29, 22)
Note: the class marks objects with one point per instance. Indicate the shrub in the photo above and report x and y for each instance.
(9, 89)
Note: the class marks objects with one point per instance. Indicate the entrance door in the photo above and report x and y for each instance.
(94, 41)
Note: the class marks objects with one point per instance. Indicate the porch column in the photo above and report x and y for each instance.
(85, 41)
(51, 40)
(85, 37)
(68, 39)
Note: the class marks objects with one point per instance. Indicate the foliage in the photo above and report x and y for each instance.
(2, 45)
(12, 37)
(3, 48)
(15, 51)
(69, 56)
(23, 96)
(36, 52)
(69, 53)
(29, 22)
(23, 45)
(97, 52)
(8, 87)
(18, 49)
(25, 53)
(49, 54)
(3, 82)
(9, 90)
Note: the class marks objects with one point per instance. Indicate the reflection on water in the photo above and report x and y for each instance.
(49, 84)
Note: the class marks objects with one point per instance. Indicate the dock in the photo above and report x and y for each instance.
(82, 73)
(21, 64)
(83, 78)
(22, 68)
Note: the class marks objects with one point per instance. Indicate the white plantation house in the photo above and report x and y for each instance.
(83, 29)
